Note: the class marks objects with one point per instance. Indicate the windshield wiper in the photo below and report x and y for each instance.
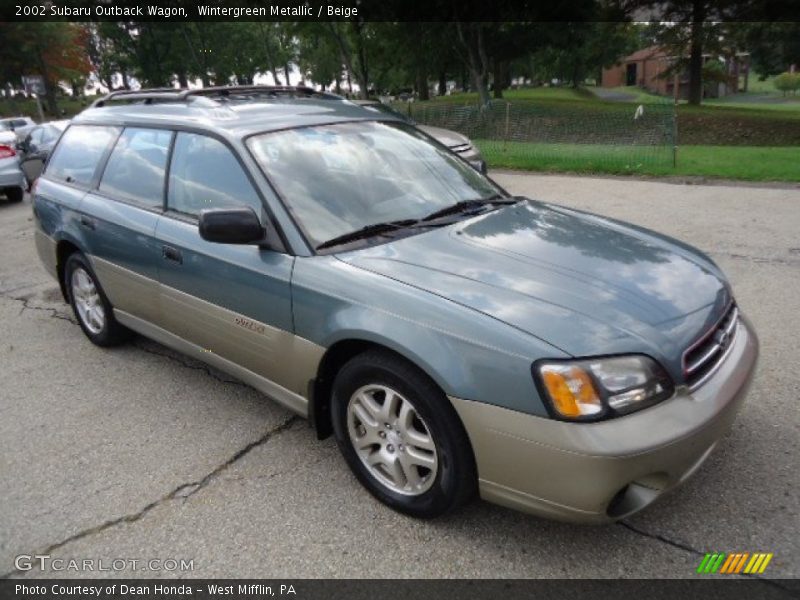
(366, 232)
(465, 205)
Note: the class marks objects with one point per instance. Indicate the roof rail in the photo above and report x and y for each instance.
(163, 93)
(228, 90)
(181, 94)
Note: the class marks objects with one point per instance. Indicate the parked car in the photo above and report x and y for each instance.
(8, 138)
(19, 126)
(12, 180)
(35, 148)
(454, 339)
(457, 142)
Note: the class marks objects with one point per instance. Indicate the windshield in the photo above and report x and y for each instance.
(336, 179)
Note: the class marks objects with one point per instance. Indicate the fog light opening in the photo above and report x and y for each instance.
(630, 499)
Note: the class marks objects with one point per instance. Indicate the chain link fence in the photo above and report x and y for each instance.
(579, 136)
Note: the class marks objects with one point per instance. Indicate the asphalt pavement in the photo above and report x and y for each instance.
(138, 453)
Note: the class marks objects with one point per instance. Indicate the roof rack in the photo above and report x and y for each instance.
(145, 94)
(256, 90)
(152, 95)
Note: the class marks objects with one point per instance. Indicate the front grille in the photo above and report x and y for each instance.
(703, 357)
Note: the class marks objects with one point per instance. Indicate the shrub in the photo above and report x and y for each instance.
(788, 82)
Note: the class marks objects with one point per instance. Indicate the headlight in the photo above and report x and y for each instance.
(600, 388)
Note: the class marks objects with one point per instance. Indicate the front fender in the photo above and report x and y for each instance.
(468, 354)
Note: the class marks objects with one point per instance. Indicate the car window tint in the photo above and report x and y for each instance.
(135, 169)
(78, 153)
(19, 123)
(205, 174)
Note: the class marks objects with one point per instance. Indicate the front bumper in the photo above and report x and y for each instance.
(600, 472)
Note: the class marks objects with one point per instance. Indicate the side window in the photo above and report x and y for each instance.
(79, 152)
(135, 169)
(205, 174)
(48, 134)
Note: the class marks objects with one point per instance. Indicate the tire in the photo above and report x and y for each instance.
(418, 459)
(90, 304)
(14, 194)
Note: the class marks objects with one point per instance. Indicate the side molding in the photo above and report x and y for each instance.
(292, 401)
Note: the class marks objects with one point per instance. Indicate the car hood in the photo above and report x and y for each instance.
(585, 284)
(445, 136)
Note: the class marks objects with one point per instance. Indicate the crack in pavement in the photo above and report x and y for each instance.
(686, 548)
(183, 492)
(56, 314)
(26, 305)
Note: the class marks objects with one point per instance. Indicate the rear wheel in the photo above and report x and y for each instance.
(14, 194)
(401, 436)
(91, 306)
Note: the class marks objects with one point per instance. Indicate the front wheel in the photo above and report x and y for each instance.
(401, 436)
(91, 306)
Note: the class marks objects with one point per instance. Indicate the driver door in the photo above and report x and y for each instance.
(229, 301)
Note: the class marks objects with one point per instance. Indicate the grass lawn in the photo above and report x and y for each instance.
(761, 163)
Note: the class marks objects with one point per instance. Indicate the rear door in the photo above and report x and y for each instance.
(232, 301)
(121, 215)
(71, 172)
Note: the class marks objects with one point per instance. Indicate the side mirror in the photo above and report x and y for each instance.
(479, 166)
(231, 226)
(238, 226)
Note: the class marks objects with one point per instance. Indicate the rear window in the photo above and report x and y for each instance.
(79, 152)
(135, 170)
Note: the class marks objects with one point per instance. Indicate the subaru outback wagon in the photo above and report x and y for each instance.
(455, 339)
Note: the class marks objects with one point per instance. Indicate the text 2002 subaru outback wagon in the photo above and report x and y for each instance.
(453, 338)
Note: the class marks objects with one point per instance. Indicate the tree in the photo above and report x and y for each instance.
(318, 55)
(697, 25)
(55, 50)
(773, 46)
(353, 39)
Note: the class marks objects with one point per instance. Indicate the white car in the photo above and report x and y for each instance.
(18, 126)
(12, 179)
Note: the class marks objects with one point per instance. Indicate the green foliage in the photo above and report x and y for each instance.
(787, 82)
(773, 46)
(581, 50)
(757, 163)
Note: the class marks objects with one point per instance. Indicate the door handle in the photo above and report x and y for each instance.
(88, 223)
(172, 254)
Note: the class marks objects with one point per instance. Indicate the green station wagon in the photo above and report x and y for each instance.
(455, 339)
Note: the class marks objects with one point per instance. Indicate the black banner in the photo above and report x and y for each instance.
(699, 589)
(384, 10)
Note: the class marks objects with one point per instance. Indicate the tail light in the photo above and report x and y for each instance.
(7, 151)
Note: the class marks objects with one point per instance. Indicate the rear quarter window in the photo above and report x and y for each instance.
(78, 154)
